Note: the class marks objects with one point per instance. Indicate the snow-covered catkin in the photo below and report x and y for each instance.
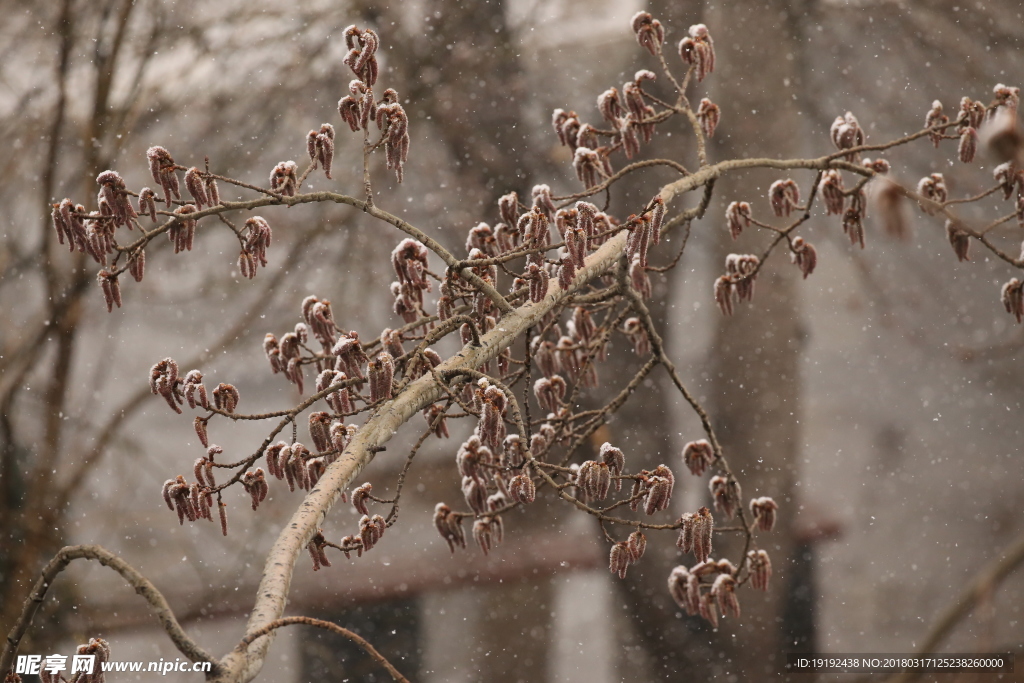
(684, 589)
(760, 568)
(147, 203)
(727, 495)
(195, 391)
(360, 496)
(226, 397)
(724, 591)
(616, 461)
(846, 133)
(650, 34)
(111, 289)
(162, 167)
(764, 510)
(164, 381)
(382, 375)
(1012, 296)
(137, 264)
(698, 456)
(637, 334)
(660, 484)
(784, 196)
(196, 187)
(932, 187)
(449, 525)
(804, 256)
(200, 426)
(695, 533)
(698, 50)
(522, 489)
(637, 544)
(619, 559)
(832, 192)
(959, 240)
(319, 430)
(708, 114)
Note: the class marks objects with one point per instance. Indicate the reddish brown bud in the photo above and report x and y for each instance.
(449, 525)
(594, 480)
(616, 461)
(226, 397)
(760, 568)
(724, 295)
(637, 544)
(831, 189)
(637, 334)
(764, 510)
(195, 186)
(183, 231)
(200, 427)
(959, 240)
(587, 164)
(619, 559)
(147, 203)
(709, 115)
(707, 609)
(487, 532)
(784, 196)
(381, 371)
(932, 188)
(696, 532)
(1012, 295)
(162, 167)
(391, 117)
(434, 415)
(846, 133)
(137, 264)
(111, 289)
(685, 589)
(804, 256)
(362, 45)
(522, 489)
(164, 381)
(195, 392)
(698, 456)
(724, 591)
(319, 430)
(359, 497)
(934, 118)
(698, 50)
(659, 490)
(968, 144)
(1008, 177)
(727, 494)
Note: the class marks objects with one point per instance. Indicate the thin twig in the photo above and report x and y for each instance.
(330, 626)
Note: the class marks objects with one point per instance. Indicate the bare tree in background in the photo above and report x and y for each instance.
(528, 353)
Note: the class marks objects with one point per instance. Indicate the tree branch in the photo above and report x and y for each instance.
(141, 584)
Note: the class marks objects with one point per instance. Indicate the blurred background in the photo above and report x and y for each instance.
(878, 401)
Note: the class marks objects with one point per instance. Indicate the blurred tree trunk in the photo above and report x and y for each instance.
(461, 71)
(754, 385)
(755, 378)
(41, 522)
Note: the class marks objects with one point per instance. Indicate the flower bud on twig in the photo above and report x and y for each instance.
(449, 525)
(804, 256)
(764, 510)
(1012, 295)
(709, 115)
(698, 456)
(727, 495)
(698, 50)
(760, 568)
